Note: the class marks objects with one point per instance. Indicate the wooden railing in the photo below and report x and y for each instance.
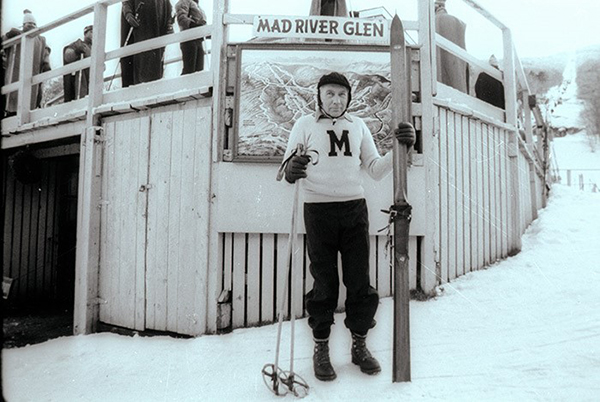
(27, 119)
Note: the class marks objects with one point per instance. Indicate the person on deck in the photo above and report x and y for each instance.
(142, 20)
(41, 63)
(190, 15)
(336, 8)
(451, 70)
(490, 89)
(76, 85)
(336, 216)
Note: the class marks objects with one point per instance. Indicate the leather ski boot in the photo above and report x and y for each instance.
(362, 357)
(322, 365)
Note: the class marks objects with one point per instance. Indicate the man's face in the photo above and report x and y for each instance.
(28, 26)
(88, 36)
(334, 99)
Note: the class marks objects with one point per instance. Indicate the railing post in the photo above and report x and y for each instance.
(510, 94)
(25, 74)
(427, 12)
(98, 58)
(87, 260)
(527, 117)
(430, 247)
(218, 67)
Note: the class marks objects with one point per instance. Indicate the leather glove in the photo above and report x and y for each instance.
(405, 134)
(296, 168)
(131, 20)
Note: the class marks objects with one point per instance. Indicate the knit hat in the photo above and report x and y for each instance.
(87, 29)
(28, 17)
(334, 78)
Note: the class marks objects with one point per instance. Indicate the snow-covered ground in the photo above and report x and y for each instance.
(573, 153)
(527, 328)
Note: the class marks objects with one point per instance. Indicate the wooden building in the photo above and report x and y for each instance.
(179, 230)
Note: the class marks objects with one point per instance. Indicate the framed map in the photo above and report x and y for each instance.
(277, 84)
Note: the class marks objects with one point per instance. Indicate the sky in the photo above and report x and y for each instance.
(525, 329)
(539, 27)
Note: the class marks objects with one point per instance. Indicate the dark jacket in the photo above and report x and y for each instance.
(189, 14)
(155, 18)
(71, 82)
(451, 70)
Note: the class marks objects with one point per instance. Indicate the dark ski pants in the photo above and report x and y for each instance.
(331, 228)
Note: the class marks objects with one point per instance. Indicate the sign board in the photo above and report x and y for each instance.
(322, 27)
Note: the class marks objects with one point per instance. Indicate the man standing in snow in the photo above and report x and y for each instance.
(76, 84)
(336, 216)
(190, 15)
(142, 20)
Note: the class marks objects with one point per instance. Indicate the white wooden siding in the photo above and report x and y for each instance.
(254, 267)
(156, 185)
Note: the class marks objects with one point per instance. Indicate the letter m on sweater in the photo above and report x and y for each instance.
(343, 144)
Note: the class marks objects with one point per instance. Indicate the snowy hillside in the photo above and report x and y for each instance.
(527, 328)
(564, 83)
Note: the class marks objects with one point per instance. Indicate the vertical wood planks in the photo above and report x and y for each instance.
(451, 197)
(175, 223)
(443, 216)
(505, 193)
(460, 206)
(259, 275)
(158, 220)
(474, 220)
(239, 280)
(297, 278)
(107, 251)
(267, 285)
(282, 261)
(253, 280)
(141, 212)
(466, 159)
(492, 186)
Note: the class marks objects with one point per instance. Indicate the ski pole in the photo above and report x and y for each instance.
(137, 14)
(80, 72)
(289, 262)
(273, 372)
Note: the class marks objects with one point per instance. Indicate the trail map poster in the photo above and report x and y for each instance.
(278, 86)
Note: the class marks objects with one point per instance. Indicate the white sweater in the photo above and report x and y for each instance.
(344, 146)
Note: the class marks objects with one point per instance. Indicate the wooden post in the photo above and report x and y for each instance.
(569, 177)
(87, 260)
(510, 94)
(430, 246)
(427, 12)
(25, 74)
(527, 118)
(218, 67)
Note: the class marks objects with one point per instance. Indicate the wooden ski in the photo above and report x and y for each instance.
(401, 210)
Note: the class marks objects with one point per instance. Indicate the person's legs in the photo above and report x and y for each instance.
(361, 299)
(321, 238)
(188, 55)
(321, 301)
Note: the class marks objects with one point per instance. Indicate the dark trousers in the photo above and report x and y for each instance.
(332, 228)
(192, 54)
